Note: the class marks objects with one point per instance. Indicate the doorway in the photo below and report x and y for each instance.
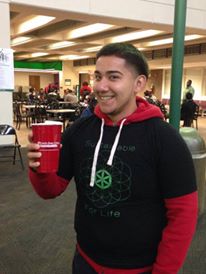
(34, 81)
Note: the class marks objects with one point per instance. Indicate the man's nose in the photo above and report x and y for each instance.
(102, 85)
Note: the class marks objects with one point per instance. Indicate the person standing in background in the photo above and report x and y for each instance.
(85, 90)
(189, 88)
(136, 208)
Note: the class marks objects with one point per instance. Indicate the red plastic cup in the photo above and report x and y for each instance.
(48, 136)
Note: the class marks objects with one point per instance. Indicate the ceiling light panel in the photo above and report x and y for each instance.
(170, 40)
(88, 30)
(38, 54)
(34, 23)
(92, 49)
(20, 40)
(73, 57)
(62, 44)
(135, 35)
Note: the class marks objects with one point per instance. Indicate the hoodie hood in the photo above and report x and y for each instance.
(144, 111)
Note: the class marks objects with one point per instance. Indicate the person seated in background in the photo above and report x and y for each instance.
(20, 95)
(41, 95)
(152, 93)
(153, 100)
(32, 95)
(53, 95)
(188, 109)
(70, 97)
(89, 110)
(85, 90)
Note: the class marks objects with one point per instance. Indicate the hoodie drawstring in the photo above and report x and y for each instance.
(111, 156)
(96, 153)
(97, 148)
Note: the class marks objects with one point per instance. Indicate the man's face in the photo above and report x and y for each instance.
(116, 85)
(189, 82)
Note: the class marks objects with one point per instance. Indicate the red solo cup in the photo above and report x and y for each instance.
(48, 136)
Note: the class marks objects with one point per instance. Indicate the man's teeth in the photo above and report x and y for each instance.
(105, 97)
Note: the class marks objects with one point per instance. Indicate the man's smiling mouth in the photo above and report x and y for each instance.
(105, 98)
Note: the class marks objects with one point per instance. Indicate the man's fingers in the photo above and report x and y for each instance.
(30, 136)
(33, 147)
(33, 155)
(34, 164)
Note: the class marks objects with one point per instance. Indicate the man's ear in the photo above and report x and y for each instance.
(140, 83)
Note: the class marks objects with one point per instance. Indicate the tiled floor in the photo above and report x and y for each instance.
(23, 132)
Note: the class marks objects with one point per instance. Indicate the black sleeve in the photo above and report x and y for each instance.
(176, 171)
(66, 156)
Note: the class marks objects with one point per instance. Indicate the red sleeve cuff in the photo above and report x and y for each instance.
(47, 185)
(182, 215)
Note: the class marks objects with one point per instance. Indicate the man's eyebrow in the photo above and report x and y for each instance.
(108, 72)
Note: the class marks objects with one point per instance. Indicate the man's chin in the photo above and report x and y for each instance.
(107, 111)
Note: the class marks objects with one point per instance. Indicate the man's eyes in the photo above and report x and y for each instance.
(97, 77)
(110, 77)
(113, 77)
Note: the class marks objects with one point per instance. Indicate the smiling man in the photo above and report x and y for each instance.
(136, 207)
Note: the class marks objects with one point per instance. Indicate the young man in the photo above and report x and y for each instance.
(136, 207)
(189, 88)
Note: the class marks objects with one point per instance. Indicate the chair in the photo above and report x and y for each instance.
(195, 117)
(40, 114)
(202, 105)
(20, 116)
(12, 144)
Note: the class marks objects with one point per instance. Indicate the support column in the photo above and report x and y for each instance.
(6, 107)
(177, 62)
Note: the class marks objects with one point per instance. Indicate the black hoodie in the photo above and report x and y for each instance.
(136, 191)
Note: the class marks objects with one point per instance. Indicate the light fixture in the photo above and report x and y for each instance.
(38, 54)
(87, 30)
(20, 40)
(170, 40)
(62, 44)
(35, 22)
(135, 35)
(92, 49)
(73, 57)
(193, 37)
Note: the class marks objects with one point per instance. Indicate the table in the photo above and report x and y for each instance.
(61, 111)
(32, 106)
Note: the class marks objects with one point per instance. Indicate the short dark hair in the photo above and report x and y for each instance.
(188, 96)
(129, 53)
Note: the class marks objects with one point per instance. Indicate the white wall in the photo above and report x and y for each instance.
(22, 78)
(70, 72)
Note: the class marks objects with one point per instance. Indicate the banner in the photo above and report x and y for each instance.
(6, 70)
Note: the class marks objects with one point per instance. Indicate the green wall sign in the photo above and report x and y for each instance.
(39, 65)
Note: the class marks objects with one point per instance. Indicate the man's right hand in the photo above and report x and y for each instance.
(33, 153)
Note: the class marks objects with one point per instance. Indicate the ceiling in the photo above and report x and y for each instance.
(29, 39)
